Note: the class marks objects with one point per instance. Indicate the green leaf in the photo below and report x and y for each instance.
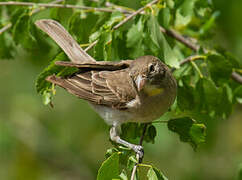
(150, 134)
(135, 39)
(238, 94)
(61, 14)
(44, 87)
(131, 162)
(17, 14)
(123, 175)
(109, 168)
(188, 130)
(46, 97)
(164, 17)
(219, 68)
(110, 151)
(6, 46)
(115, 17)
(135, 34)
(198, 133)
(158, 44)
(82, 27)
(102, 51)
(155, 174)
(22, 32)
(210, 23)
(184, 13)
(130, 131)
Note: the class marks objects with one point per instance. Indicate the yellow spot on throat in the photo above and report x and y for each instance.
(152, 90)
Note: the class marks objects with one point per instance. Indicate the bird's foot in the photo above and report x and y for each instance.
(139, 150)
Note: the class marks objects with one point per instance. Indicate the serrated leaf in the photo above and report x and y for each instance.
(155, 174)
(102, 50)
(198, 133)
(18, 13)
(21, 32)
(185, 97)
(135, 39)
(82, 27)
(109, 168)
(188, 130)
(45, 88)
(219, 68)
(61, 14)
(164, 17)
(135, 34)
(212, 95)
(184, 13)
(150, 134)
(160, 46)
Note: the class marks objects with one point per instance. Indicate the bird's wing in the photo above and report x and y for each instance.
(109, 88)
(58, 33)
(97, 65)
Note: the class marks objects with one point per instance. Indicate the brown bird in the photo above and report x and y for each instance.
(139, 90)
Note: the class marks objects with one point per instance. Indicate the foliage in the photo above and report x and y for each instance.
(206, 91)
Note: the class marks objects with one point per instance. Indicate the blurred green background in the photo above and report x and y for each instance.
(69, 141)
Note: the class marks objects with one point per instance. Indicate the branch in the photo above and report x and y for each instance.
(180, 38)
(237, 77)
(5, 28)
(9, 25)
(137, 155)
(134, 14)
(52, 5)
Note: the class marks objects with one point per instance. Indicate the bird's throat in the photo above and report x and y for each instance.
(153, 90)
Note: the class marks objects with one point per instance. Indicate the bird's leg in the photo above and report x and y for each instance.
(114, 136)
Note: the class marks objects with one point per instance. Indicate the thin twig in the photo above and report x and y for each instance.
(137, 155)
(91, 45)
(180, 38)
(52, 5)
(119, 8)
(237, 77)
(134, 14)
(39, 9)
(5, 28)
(9, 25)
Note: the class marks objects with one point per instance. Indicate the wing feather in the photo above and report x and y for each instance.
(110, 88)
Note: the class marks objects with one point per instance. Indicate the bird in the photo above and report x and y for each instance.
(139, 90)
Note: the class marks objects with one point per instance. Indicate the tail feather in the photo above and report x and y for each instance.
(58, 33)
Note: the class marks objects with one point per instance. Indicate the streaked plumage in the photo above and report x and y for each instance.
(138, 90)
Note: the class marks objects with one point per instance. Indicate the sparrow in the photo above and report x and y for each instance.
(139, 90)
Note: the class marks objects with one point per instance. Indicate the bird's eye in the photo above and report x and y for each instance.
(151, 68)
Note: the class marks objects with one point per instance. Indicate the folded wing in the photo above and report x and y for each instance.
(110, 88)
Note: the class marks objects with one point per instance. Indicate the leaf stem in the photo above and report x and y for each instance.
(197, 69)
(137, 155)
(192, 58)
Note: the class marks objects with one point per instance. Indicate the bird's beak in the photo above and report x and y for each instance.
(140, 82)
